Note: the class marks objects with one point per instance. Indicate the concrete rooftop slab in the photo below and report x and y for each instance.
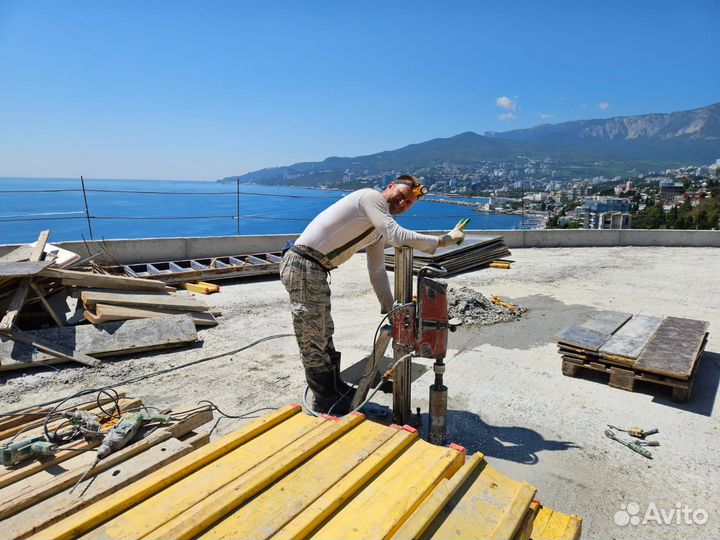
(507, 395)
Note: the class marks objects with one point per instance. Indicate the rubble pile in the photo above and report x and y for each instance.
(474, 308)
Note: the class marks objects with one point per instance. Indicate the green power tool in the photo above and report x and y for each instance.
(16, 451)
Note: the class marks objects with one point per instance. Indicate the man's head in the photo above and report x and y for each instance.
(402, 194)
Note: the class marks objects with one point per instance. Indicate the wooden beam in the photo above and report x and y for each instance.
(107, 312)
(88, 279)
(21, 292)
(43, 514)
(177, 303)
(51, 311)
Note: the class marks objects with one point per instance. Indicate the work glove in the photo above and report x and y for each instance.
(456, 236)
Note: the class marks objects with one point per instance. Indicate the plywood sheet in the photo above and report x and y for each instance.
(582, 338)
(607, 322)
(674, 348)
(629, 341)
(22, 268)
(122, 337)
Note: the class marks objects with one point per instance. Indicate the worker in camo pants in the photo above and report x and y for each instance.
(360, 220)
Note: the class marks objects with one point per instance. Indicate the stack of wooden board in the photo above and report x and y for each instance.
(290, 475)
(664, 351)
(37, 290)
(474, 253)
(35, 493)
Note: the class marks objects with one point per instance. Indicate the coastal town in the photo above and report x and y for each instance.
(546, 195)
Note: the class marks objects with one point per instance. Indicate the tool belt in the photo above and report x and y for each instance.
(313, 256)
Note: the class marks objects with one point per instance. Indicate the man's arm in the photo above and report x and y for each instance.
(376, 210)
(378, 275)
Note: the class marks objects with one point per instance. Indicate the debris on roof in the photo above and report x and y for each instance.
(46, 306)
(475, 309)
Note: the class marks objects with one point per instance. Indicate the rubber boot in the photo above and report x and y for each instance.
(344, 390)
(322, 384)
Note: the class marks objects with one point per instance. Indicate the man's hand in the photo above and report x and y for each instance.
(456, 236)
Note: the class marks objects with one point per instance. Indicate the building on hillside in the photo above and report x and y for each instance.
(605, 213)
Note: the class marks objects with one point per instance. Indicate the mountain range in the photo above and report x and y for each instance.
(614, 144)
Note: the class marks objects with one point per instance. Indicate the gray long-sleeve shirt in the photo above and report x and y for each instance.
(362, 220)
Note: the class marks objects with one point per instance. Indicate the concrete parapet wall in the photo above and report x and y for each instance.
(165, 249)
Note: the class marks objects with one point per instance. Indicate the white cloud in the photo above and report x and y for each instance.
(546, 116)
(604, 106)
(506, 103)
(507, 117)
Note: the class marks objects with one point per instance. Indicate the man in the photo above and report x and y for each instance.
(360, 220)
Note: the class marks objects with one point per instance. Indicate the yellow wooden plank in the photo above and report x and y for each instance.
(315, 514)
(443, 492)
(523, 533)
(491, 505)
(394, 495)
(213, 508)
(541, 521)
(78, 524)
(273, 508)
(177, 499)
(557, 526)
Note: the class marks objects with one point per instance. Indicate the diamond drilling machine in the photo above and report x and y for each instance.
(419, 328)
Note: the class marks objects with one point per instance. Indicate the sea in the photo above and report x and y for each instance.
(168, 208)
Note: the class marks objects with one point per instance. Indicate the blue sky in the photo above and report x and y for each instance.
(202, 90)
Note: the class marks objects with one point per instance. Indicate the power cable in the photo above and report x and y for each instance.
(149, 375)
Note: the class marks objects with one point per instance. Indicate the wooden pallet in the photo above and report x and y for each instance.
(207, 269)
(624, 377)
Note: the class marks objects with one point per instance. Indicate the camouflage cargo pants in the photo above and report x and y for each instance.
(309, 292)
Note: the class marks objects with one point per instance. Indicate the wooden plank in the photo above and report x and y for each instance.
(20, 253)
(47, 483)
(583, 338)
(63, 352)
(673, 349)
(39, 247)
(177, 303)
(109, 339)
(16, 304)
(102, 280)
(33, 420)
(28, 468)
(21, 292)
(108, 312)
(59, 320)
(606, 322)
(43, 514)
(76, 291)
(22, 268)
(629, 341)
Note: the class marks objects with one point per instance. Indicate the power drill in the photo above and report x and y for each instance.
(121, 434)
(14, 452)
